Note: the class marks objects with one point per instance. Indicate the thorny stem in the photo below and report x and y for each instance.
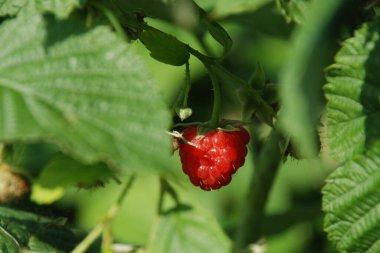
(106, 221)
(268, 162)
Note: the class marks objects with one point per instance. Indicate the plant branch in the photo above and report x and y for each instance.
(267, 164)
(106, 221)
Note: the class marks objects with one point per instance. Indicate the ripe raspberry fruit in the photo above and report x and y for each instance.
(211, 159)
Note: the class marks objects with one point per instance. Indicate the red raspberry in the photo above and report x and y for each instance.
(211, 159)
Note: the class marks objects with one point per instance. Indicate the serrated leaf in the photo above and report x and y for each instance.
(65, 171)
(11, 7)
(164, 47)
(188, 231)
(352, 92)
(294, 10)
(83, 89)
(7, 242)
(301, 79)
(351, 200)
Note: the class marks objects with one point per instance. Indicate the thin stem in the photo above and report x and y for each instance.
(268, 162)
(106, 221)
(1, 152)
(217, 99)
(112, 19)
(187, 85)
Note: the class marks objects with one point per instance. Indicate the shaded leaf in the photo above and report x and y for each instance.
(83, 89)
(164, 47)
(35, 232)
(188, 231)
(65, 171)
(7, 242)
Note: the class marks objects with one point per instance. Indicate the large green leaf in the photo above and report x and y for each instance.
(353, 108)
(352, 194)
(188, 231)
(352, 203)
(301, 79)
(83, 89)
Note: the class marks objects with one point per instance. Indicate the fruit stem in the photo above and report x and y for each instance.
(187, 85)
(214, 122)
(267, 163)
(106, 221)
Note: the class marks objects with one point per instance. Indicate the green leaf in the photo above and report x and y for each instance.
(11, 7)
(7, 242)
(301, 79)
(83, 89)
(219, 34)
(351, 200)
(188, 231)
(35, 232)
(294, 10)
(164, 47)
(65, 171)
(353, 108)
(61, 8)
(351, 197)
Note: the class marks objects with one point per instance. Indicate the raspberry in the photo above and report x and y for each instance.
(211, 159)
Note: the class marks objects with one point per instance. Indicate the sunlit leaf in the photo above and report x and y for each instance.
(82, 88)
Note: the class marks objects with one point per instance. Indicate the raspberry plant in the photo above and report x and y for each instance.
(95, 94)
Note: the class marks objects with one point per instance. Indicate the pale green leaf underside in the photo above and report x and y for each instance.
(353, 89)
(61, 8)
(11, 7)
(352, 205)
(188, 231)
(83, 89)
